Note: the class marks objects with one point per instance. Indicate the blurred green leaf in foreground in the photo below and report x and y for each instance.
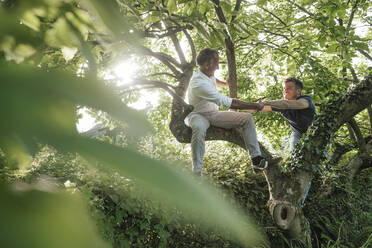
(39, 219)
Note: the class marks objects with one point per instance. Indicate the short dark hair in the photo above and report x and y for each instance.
(298, 83)
(206, 55)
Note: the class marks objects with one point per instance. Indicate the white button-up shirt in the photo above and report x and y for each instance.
(203, 95)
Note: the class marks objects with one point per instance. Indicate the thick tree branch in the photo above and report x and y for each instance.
(336, 113)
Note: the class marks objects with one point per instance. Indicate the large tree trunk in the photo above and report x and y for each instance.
(287, 188)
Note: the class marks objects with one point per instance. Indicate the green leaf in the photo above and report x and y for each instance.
(172, 6)
(36, 219)
(54, 95)
(107, 13)
(10, 26)
(202, 31)
(31, 20)
(361, 45)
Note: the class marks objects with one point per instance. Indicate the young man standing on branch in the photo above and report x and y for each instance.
(298, 110)
(203, 95)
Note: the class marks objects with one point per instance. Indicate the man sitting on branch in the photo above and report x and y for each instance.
(203, 96)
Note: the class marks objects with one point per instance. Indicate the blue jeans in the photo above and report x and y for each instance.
(294, 139)
(200, 122)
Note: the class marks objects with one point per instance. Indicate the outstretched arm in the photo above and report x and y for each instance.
(286, 104)
(266, 109)
(239, 104)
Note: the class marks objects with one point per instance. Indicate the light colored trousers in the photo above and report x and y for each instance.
(200, 122)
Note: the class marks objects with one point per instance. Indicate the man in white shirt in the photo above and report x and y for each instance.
(203, 95)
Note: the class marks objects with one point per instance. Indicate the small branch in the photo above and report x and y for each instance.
(339, 151)
(162, 85)
(275, 16)
(171, 31)
(142, 81)
(176, 44)
(358, 135)
(364, 53)
(192, 46)
(138, 89)
(160, 74)
(236, 9)
(362, 160)
(277, 47)
(273, 33)
(219, 11)
(352, 15)
(355, 77)
(369, 109)
(164, 58)
(301, 8)
(351, 134)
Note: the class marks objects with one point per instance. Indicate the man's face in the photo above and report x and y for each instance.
(290, 91)
(210, 68)
(215, 64)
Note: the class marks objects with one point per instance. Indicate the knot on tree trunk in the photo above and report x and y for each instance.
(283, 213)
(289, 216)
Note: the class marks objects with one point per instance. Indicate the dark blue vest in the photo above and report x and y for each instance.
(299, 119)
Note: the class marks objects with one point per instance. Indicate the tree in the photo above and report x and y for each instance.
(288, 35)
(314, 41)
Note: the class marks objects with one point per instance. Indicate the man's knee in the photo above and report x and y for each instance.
(199, 129)
(247, 119)
(199, 125)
